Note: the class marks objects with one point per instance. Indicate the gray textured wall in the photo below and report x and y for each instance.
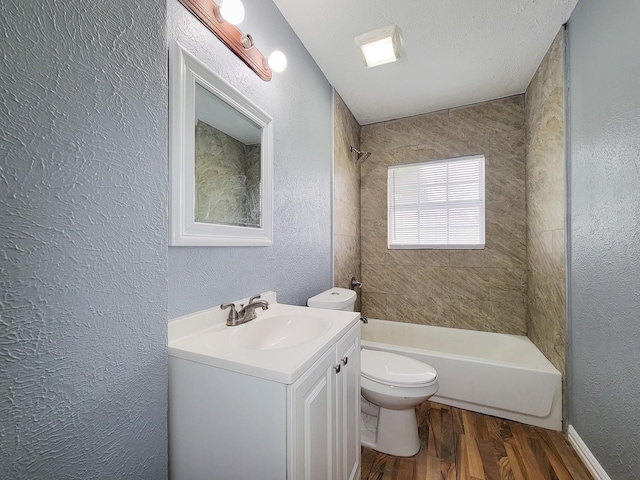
(604, 196)
(298, 265)
(83, 262)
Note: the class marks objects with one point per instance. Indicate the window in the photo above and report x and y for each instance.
(438, 204)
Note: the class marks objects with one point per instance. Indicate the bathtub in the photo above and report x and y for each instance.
(492, 373)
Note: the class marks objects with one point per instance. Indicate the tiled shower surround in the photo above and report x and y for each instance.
(346, 196)
(517, 283)
(473, 289)
(546, 206)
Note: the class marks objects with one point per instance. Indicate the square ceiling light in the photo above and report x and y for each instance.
(379, 46)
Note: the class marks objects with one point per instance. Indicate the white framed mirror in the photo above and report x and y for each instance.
(221, 160)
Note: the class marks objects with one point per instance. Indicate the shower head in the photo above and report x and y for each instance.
(362, 156)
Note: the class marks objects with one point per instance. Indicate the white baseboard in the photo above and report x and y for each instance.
(585, 454)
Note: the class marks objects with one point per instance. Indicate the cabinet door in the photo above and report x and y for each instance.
(348, 405)
(313, 405)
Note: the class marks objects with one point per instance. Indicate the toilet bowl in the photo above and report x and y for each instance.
(391, 386)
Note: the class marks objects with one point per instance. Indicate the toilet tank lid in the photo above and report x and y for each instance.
(394, 369)
(333, 299)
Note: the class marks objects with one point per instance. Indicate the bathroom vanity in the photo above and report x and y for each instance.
(275, 398)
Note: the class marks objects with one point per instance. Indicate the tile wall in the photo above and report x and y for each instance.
(227, 175)
(346, 196)
(546, 208)
(473, 289)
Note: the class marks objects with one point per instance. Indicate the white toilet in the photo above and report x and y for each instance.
(391, 385)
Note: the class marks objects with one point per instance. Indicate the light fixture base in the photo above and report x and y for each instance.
(231, 36)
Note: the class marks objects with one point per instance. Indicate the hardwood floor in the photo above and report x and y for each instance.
(461, 445)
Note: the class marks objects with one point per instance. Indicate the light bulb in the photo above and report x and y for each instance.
(379, 52)
(232, 11)
(277, 61)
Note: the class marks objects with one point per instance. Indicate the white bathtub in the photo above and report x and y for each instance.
(497, 374)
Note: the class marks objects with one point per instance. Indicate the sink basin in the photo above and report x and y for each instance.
(279, 331)
(279, 345)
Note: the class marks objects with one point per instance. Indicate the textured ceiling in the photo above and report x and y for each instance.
(455, 52)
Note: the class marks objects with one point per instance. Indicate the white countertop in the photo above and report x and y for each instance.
(203, 337)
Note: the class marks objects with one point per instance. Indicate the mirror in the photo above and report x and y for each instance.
(227, 164)
(221, 160)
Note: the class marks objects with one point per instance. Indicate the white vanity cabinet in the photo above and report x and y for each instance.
(325, 414)
(349, 410)
(229, 421)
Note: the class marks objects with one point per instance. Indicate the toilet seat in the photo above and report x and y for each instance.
(396, 370)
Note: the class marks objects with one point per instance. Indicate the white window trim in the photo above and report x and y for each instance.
(404, 246)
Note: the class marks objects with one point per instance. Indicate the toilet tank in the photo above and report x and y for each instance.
(334, 299)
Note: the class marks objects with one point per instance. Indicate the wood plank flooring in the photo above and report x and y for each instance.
(461, 445)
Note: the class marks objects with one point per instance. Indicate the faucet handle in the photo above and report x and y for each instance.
(233, 313)
(255, 297)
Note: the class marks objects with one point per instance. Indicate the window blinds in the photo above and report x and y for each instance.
(437, 204)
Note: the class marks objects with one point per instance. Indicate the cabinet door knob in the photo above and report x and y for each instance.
(337, 368)
(345, 360)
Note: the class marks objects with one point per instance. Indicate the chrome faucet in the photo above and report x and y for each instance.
(247, 312)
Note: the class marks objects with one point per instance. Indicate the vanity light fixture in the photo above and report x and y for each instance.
(277, 61)
(231, 11)
(221, 20)
(379, 46)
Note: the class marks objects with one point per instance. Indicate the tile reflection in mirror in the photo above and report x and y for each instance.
(227, 164)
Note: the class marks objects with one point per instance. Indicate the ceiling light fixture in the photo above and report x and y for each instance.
(379, 46)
